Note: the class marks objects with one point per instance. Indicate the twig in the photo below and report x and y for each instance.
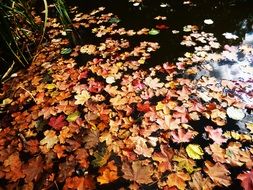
(28, 93)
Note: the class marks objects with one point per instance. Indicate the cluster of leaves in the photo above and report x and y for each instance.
(63, 121)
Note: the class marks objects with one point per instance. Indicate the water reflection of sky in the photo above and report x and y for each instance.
(235, 65)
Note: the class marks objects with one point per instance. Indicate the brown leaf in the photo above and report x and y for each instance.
(218, 173)
(178, 179)
(138, 172)
(200, 183)
(33, 169)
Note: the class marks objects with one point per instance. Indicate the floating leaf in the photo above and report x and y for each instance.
(208, 21)
(73, 116)
(82, 98)
(138, 172)
(109, 173)
(114, 20)
(50, 86)
(218, 173)
(101, 158)
(154, 32)
(57, 122)
(246, 180)
(65, 51)
(235, 113)
(194, 151)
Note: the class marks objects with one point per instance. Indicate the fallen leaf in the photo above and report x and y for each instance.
(108, 173)
(73, 116)
(137, 172)
(82, 98)
(50, 139)
(200, 183)
(153, 32)
(194, 151)
(246, 180)
(218, 173)
(178, 179)
(58, 122)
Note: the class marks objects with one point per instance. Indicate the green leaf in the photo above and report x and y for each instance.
(101, 158)
(194, 151)
(65, 51)
(73, 116)
(154, 32)
(114, 20)
(185, 163)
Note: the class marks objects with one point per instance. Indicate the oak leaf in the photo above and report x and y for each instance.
(137, 172)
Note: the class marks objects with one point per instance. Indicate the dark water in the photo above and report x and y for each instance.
(228, 16)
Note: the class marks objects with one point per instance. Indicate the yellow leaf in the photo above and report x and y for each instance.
(82, 98)
(50, 86)
(194, 151)
(159, 106)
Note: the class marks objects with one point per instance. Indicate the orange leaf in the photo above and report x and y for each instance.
(109, 173)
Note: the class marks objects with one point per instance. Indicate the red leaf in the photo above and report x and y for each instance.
(161, 26)
(247, 180)
(143, 107)
(57, 122)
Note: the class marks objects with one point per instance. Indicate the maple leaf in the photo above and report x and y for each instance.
(218, 154)
(247, 180)
(33, 169)
(181, 135)
(101, 157)
(58, 122)
(137, 172)
(178, 179)
(164, 158)
(82, 157)
(82, 98)
(218, 173)
(141, 147)
(109, 173)
(215, 134)
(153, 83)
(200, 183)
(184, 163)
(50, 139)
(12, 167)
(143, 107)
(73, 116)
(91, 139)
(79, 183)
